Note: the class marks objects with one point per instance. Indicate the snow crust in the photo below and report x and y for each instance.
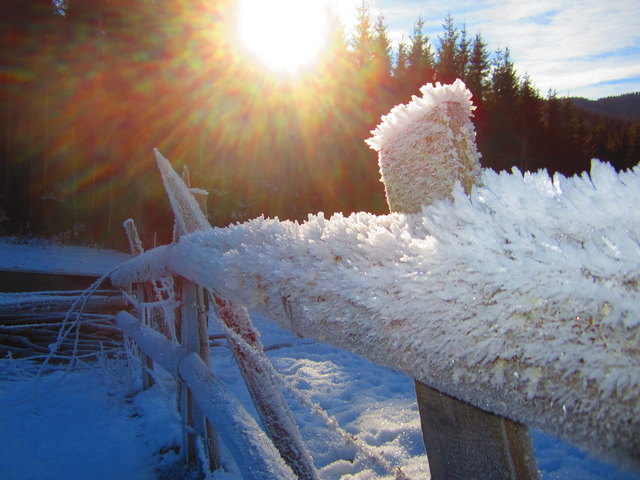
(82, 424)
(359, 419)
(521, 298)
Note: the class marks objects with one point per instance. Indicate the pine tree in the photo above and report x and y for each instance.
(335, 55)
(420, 69)
(447, 64)
(504, 80)
(362, 39)
(381, 50)
(502, 142)
(529, 123)
(476, 77)
(402, 60)
(462, 54)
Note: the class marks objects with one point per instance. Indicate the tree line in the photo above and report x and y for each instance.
(90, 87)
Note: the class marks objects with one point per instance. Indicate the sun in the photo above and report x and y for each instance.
(285, 35)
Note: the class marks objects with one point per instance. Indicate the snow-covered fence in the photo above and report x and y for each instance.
(519, 295)
(257, 372)
(59, 325)
(54, 309)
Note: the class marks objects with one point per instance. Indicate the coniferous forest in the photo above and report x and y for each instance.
(89, 88)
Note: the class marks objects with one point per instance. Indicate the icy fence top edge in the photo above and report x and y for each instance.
(521, 298)
(394, 122)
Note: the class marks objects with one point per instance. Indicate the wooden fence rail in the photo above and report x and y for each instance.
(255, 458)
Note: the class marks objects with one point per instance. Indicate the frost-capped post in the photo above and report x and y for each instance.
(426, 148)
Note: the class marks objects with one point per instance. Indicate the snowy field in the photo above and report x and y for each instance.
(359, 420)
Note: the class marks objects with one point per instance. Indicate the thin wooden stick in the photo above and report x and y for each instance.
(136, 249)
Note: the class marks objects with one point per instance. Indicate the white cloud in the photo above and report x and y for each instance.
(587, 47)
(573, 46)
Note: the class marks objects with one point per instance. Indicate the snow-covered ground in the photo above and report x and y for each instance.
(46, 257)
(360, 420)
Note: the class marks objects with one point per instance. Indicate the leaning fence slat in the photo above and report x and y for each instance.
(256, 458)
(260, 378)
(256, 369)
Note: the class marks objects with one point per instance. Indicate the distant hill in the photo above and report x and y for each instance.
(625, 106)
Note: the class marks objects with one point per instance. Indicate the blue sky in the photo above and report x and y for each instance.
(587, 48)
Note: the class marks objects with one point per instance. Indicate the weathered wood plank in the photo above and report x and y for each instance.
(464, 442)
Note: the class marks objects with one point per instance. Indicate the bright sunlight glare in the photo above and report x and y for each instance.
(283, 34)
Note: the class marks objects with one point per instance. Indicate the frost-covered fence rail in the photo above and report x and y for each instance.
(520, 295)
(537, 321)
(256, 458)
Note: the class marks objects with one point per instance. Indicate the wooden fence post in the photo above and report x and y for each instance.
(465, 442)
(194, 337)
(422, 156)
(136, 249)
